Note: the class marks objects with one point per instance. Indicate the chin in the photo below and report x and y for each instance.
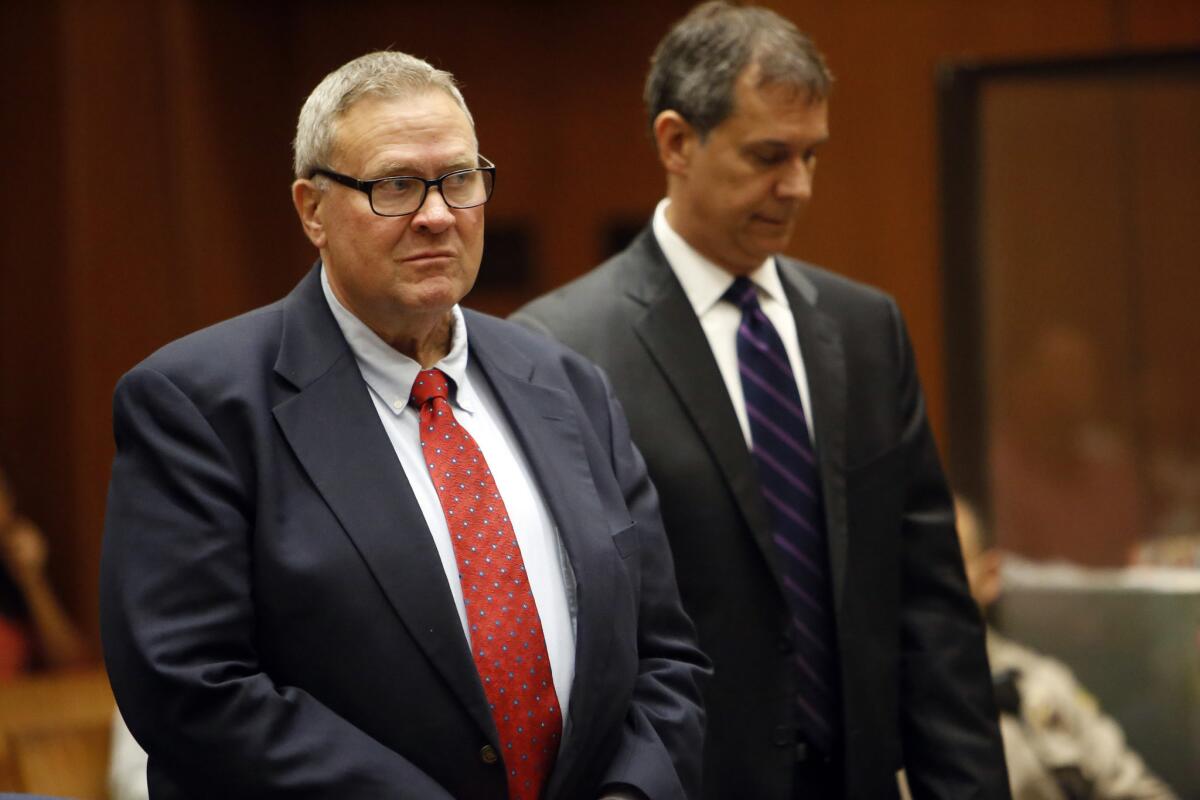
(764, 248)
(754, 256)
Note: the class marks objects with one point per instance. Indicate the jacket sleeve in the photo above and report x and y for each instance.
(178, 625)
(949, 724)
(663, 736)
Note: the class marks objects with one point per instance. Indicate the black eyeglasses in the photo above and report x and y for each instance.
(402, 195)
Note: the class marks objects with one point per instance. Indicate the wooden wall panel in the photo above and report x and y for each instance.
(119, 300)
(231, 122)
(1160, 23)
(35, 368)
(875, 214)
(172, 120)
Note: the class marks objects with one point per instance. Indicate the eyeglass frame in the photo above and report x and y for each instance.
(367, 187)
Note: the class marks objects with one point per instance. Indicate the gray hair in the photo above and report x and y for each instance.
(697, 64)
(385, 73)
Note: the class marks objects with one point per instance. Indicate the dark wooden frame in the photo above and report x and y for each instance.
(959, 87)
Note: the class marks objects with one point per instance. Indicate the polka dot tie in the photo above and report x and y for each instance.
(505, 630)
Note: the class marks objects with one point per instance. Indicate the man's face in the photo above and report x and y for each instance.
(736, 195)
(389, 271)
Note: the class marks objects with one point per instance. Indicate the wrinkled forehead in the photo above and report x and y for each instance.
(430, 122)
(753, 85)
(397, 101)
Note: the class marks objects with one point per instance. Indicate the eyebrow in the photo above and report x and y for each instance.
(399, 169)
(780, 143)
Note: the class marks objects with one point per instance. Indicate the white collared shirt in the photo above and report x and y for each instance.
(705, 283)
(389, 376)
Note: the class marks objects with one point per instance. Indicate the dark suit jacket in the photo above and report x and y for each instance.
(276, 621)
(916, 690)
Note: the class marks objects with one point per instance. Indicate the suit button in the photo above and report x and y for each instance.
(783, 736)
(487, 754)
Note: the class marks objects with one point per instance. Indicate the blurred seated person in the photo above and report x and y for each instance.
(126, 764)
(1057, 742)
(35, 632)
(1180, 551)
(1062, 465)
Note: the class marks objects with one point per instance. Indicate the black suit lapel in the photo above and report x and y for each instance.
(672, 335)
(335, 432)
(825, 367)
(545, 422)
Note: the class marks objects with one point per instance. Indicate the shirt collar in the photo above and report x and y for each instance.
(704, 282)
(390, 374)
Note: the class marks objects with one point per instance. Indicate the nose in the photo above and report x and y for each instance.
(434, 215)
(797, 182)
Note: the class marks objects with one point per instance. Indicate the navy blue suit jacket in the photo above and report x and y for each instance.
(275, 617)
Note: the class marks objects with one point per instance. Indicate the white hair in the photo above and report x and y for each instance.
(385, 73)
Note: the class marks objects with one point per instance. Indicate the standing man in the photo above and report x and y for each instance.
(781, 418)
(362, 543)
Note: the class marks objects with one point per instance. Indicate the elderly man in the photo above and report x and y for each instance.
(362, 543)
(781, 418)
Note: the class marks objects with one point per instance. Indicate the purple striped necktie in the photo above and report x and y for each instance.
(791, 486)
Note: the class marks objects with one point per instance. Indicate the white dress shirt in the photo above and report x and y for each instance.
(389, 376)
(705, 283)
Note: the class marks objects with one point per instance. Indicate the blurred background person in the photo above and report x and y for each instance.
(1064, 478)
(35, 631)
(1058, 744)
(126, 764)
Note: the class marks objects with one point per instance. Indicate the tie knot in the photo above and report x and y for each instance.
(430, 383)
(742, 293)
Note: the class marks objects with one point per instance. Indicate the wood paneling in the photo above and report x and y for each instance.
(54, 735)
(148, 144)
(35, 358)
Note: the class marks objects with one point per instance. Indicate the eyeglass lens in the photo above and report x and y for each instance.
(462, 189)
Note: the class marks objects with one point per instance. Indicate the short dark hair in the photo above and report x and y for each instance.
(697, 64)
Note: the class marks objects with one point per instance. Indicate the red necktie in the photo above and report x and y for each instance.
(505, 629)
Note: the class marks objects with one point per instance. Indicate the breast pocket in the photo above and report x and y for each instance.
(882, 469)
(627, 541)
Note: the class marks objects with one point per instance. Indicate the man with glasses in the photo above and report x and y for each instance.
(363, 543)
(781, 418)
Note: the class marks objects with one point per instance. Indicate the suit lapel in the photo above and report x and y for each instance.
(825, 367)
(545, 423)
(335, 432)
(677, 344)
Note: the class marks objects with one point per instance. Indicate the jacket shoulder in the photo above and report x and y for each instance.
(832, 287)
(227, 351)
(543, 353)
(586, 303)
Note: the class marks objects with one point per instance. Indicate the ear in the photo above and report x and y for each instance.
(676, 140)
(307, 197)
